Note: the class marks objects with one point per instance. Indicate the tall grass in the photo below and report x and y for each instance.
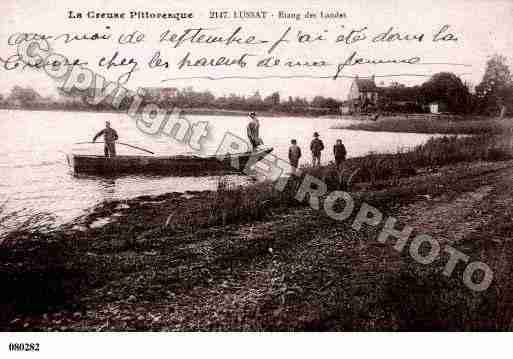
(434, 153)
(448, 150)
(34, 267)
(432, 126)
(248, 203)
(232, 203)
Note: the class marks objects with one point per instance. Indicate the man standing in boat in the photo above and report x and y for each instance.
(253, 130)
(109, 137)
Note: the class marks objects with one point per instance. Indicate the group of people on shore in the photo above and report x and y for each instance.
(316, 147)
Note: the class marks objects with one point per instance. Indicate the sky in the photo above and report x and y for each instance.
(483, 28)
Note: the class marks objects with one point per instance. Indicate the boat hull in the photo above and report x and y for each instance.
(172, 165)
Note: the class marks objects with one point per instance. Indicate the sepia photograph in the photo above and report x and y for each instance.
(254, 167)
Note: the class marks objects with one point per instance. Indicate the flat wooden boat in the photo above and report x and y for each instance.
(180, 165)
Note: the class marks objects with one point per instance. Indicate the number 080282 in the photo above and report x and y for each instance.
(24, 347)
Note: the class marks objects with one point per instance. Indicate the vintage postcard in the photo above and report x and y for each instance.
(255, 166)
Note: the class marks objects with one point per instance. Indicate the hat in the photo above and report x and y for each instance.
(316, 134)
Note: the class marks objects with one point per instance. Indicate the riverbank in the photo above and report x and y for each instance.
(427, 125)
(258, 259)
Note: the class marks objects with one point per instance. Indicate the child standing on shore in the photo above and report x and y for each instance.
(316, 147)
(339, 151)
(294, 155)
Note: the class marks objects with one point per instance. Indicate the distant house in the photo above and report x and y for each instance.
(345, 108)
(437, 107)
(363, 94)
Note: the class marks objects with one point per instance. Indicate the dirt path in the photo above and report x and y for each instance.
(479, 223)
(448, 220)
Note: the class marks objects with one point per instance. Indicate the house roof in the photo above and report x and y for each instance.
(366, 85)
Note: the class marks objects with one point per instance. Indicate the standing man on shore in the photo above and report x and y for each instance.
(316, 146)
(294, 155)
(253, 131)
(110, 137)
(339, 151)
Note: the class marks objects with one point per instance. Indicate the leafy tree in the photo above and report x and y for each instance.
(273, 99)
(23, 95)
(496, 88)
(448, 88)
(255, 102)
(256, 97)
(325, 102)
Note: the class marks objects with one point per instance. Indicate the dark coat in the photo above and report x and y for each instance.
(294, 153)
(316, 146)
(339, 151)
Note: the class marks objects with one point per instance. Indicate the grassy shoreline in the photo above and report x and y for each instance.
(251, 258)
(468, 126)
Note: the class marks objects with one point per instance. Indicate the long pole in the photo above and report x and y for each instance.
(121, 143)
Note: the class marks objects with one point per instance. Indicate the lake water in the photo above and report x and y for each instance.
(35, 176)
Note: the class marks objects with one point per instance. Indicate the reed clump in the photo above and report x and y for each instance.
(436, 152)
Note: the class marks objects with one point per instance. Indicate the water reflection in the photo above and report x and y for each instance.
(107, 187)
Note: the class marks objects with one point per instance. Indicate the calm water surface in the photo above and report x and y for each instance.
(35, 177)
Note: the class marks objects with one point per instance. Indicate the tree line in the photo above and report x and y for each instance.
(493, 96)
(186, 98)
